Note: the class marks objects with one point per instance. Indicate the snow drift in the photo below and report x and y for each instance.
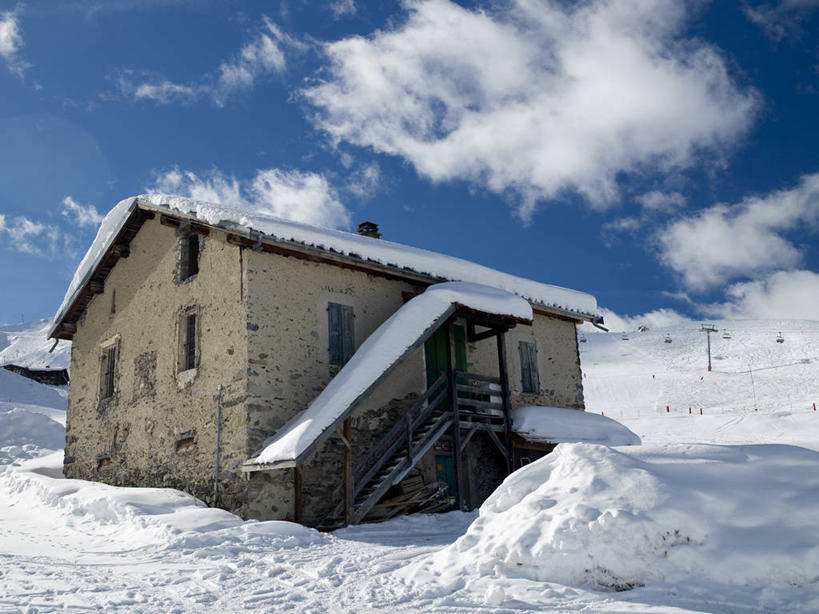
(561, 425)
(589, 515)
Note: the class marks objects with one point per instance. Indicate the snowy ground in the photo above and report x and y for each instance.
(692, 527)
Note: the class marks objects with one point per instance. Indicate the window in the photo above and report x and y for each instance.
(528, 367)
(187, 341)
(342, 339)
(108, 369)
(189, 257)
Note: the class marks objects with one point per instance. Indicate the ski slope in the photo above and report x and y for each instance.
(27, 345)
(757, 391)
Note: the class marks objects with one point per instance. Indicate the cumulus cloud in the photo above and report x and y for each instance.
(784, 294)
(81, 215)
(534, 97)
(778, 19)
(11, 40)
(262, 56)
(301, 197)
(746, 239)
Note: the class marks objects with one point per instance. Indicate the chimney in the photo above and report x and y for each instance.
(369, 229)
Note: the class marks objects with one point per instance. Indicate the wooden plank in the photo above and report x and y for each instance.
(97, 287)
(475, 376)
(456, 423)
(121, 250)
(298, 501)
(503, 373)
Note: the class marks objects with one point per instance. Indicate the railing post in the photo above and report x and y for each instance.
(456, 423)
(503, 373)
(348, 473)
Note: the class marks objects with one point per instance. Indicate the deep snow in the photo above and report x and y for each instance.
(702, 527)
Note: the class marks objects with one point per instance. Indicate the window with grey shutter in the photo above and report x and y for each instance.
(528, 367)
(108, 371)
(342, 335)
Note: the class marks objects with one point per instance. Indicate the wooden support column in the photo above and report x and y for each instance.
(503, 374)
(456, 422)
(298, 504)
(348, 473)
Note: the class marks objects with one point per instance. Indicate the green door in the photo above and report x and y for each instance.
(435, 352)
(445, 472)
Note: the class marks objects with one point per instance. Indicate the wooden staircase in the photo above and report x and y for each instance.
(397, 453)
(477, 408)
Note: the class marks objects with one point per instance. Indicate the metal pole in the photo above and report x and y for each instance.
(218, 442)
(708, 330)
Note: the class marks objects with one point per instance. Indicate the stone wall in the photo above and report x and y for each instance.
(159, 428)
(263, 338)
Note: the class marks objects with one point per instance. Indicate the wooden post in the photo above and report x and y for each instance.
(503, 374)
(348, 473)
(297, 487)
(456, 422)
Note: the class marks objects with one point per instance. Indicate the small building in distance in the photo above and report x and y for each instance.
(283, 371)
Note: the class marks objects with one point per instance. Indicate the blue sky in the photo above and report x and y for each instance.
(661, 155)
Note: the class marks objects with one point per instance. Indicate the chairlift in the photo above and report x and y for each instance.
(726, 334)
(780, 338)
(624, 337)
(667, 339)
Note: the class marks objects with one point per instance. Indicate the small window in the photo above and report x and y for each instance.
(342, 338)
(108, 369)
(189, 262)
(185, 441)
(187, 341)
(530, 380)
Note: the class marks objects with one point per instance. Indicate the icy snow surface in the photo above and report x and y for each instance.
(376, 250)
(561, 425)
(739, 521)
(378, 353)
(27, 345)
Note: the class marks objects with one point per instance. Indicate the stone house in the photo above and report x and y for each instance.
(201, 333)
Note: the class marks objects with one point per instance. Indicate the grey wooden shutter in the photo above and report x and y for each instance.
(347, 333)
(334, 328)
(530, 379)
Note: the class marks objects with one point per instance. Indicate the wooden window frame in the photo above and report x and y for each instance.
(189, 258)
(189, 326)
(340, 333)
(109, 365)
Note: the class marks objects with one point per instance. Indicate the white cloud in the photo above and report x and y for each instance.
(342, 8)
(658, 318)
(781, 18)
(364, 181)
(728, 242)
(534, 97)
(301, 197)
(11, 40)
(664, 202)
(32, 237)
(81, 215)
(261, 56)
(785, 294)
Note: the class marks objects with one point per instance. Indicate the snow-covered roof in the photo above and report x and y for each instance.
(378, 251)
(561, 425)
(413, 321)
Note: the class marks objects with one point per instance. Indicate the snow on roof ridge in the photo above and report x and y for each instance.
(380, 251)
(379, 352)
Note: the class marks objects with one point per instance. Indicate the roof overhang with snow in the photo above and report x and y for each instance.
(267, 233)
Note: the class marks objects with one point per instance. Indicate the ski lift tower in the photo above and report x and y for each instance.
(708, 330)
